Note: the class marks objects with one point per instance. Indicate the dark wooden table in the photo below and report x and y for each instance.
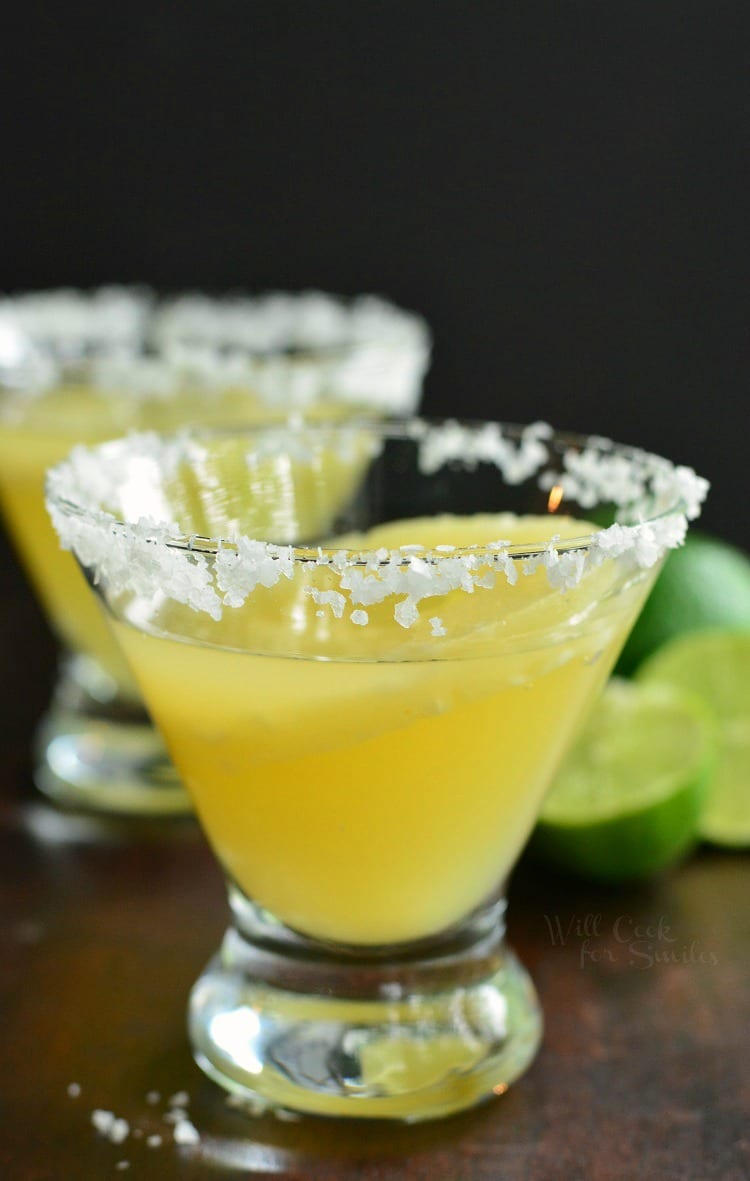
(646, 991)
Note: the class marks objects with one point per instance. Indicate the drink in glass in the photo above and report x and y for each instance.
(367, 646)
(82, 367)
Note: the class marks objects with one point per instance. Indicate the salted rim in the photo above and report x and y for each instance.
(208, 574)
(289, 346)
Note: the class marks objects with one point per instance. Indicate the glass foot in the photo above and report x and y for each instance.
(98, 750)
(404, 1033)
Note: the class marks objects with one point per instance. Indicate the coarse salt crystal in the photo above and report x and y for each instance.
(406, 613)
(251, 1105)
(333, 599)
(119, 1131)
(154, 1141)
(74, 1090)
(285, 1115)
(179, 1099)
(419, 566)
(153, 1097)
(175, 1115)
(102, 1120)
(186, 1133)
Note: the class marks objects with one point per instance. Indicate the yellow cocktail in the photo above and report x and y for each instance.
(51, 424)
(87, 367)
(367, 707)
(332, 794)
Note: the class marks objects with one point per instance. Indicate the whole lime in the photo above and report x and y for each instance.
(704, 584)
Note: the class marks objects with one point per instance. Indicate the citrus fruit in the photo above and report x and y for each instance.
(704, 584)
(716, 665)
(627, 799)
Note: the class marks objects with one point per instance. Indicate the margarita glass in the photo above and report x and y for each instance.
(367, 646)
(83, 367)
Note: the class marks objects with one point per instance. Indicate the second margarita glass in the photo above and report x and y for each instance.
(81, 367)
(367, 646)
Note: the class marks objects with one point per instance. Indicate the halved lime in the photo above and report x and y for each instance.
(627, 799)
(716, 665)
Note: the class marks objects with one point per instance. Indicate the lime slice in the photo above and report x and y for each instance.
(716, 665)
(626, 801)
(705, 584)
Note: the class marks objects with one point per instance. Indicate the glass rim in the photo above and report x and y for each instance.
(194, 340)
(392, 427)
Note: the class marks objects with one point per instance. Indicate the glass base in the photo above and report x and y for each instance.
(409, 1033)
(97, 750)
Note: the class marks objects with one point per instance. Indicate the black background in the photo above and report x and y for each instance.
(559, 187)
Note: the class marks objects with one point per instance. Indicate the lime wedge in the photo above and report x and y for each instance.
(627, 799)
(716, 665)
